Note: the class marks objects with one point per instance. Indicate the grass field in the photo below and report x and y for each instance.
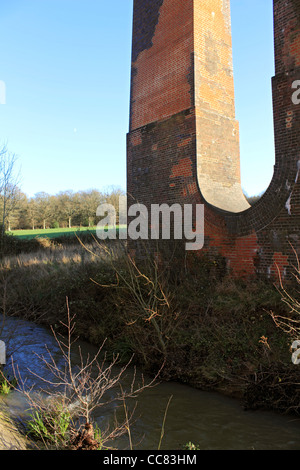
(55, 232)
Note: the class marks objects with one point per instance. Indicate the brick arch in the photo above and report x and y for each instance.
(281, 195)
(175, 118)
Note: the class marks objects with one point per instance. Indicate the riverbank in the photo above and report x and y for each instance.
(209, 331)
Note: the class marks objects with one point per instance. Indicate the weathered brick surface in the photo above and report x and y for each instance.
(162, 65)
(183, 144)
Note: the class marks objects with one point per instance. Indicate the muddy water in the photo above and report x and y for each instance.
(209, 420)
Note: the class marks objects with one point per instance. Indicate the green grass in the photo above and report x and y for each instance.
(53, 232)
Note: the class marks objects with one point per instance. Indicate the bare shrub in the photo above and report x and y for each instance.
(62, 412)
(150, 314)
(290, 324)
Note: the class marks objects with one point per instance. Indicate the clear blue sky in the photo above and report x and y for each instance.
(66, 66)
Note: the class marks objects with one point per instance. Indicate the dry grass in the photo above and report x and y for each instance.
(54, 255)
(35, 285)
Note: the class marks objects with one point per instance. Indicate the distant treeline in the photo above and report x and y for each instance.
(253, 199)
(65, 209)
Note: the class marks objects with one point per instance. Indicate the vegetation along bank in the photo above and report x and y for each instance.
(207, 330)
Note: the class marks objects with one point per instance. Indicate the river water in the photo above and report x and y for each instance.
(209, 420)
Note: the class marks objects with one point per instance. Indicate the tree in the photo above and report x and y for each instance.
(89, 202)
(14, 211)
(45, 209)
(67, 206)
(19, 219)
(8, 184)
(112, 195)
(32, 212)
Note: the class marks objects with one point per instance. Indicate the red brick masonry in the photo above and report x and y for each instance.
(183, 142)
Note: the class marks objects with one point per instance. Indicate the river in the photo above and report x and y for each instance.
(209, 420)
